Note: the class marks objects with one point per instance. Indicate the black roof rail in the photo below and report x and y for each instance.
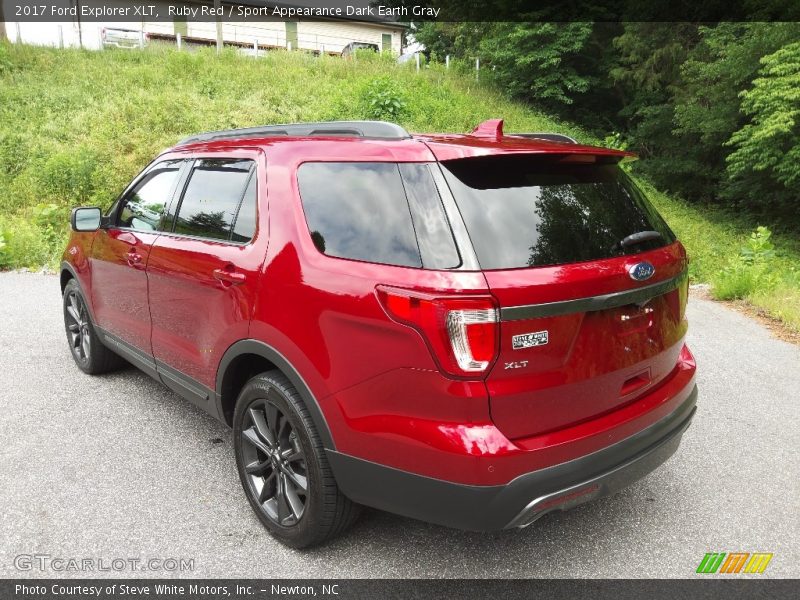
(363, 129)
(550, 137)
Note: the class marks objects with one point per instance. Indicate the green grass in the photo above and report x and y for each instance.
(76, 126)
(714, 238)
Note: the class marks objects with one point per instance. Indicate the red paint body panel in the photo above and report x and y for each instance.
(378, 387)
(581, 372)
(119, 290)
(196, 317)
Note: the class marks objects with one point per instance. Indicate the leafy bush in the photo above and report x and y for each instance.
(751, 272)
(382, 100)
(51, 220)
(67, 177)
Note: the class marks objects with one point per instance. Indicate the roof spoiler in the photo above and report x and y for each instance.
(493, 130)
(361, 129)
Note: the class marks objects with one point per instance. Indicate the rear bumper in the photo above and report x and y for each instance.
(525, 498)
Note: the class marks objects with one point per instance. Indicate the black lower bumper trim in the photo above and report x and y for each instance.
(524, 499)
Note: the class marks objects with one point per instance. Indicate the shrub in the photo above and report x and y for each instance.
(382, 100)
(67, 177)
(751, 272)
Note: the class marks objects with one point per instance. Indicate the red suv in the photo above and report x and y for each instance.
(472, 330)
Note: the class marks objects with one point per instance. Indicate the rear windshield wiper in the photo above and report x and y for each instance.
(636, 238)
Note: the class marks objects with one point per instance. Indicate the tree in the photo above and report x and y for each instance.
(707, 100)
(536, 60)
(769, 145)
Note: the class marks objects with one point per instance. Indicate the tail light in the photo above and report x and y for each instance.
(461, 331)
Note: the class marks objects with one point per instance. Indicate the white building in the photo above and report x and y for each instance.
(329, 36)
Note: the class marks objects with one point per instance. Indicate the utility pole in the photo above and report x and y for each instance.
(217, 5)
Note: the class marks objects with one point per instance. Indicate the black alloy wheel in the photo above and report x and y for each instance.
(87, 349)
(283, 465)
(76, 318)
(275, 463)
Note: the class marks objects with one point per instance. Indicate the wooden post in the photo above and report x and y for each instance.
(255, 48)
(19, 33)
(416, 58)
(141, 39)
(61, 37)
(447, 62)
(477, 68)
(179, 40)
(217, 4)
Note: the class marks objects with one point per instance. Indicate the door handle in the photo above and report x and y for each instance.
(134, 258)
(229, 276)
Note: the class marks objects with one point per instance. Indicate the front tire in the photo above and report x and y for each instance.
(282, 465)
(87, 350)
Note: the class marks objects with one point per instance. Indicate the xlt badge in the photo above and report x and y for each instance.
(529, 340)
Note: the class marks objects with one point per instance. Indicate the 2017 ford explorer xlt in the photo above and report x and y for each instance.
(472, 330)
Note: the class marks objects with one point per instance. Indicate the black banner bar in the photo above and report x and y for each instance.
(385, 589)
(405, 11)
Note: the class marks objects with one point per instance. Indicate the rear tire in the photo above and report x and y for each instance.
(282, 465)
(89, 353)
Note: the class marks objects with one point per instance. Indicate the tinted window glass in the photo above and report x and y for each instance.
(436, 245)
(245, 226)
(212, 197)
(525, 211)
(359, 211)
(145, 204)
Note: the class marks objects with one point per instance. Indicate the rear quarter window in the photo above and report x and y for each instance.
(384, 213)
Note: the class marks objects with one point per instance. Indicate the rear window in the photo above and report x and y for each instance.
(377, 212)
(524, 211)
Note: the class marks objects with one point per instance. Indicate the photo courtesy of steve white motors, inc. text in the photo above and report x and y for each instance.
(211, 12)
(173, 589)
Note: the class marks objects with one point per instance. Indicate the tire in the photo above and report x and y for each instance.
(290, 486)
(89, 353)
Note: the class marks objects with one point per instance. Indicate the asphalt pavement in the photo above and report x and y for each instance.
(117, 467)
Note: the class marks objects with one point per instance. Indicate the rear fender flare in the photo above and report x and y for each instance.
(281, 362)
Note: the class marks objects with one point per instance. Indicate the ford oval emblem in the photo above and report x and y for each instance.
(641, 271)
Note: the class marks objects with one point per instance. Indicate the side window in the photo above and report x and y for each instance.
(359, 211)
(212, 197)
(144, 206)
(437, 248)
(244, 228)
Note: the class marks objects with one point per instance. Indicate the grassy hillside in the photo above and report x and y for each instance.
(76, 126)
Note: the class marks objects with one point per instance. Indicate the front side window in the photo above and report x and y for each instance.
(212, 198)
(144, 206)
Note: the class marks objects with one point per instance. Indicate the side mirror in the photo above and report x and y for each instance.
(85, 218)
